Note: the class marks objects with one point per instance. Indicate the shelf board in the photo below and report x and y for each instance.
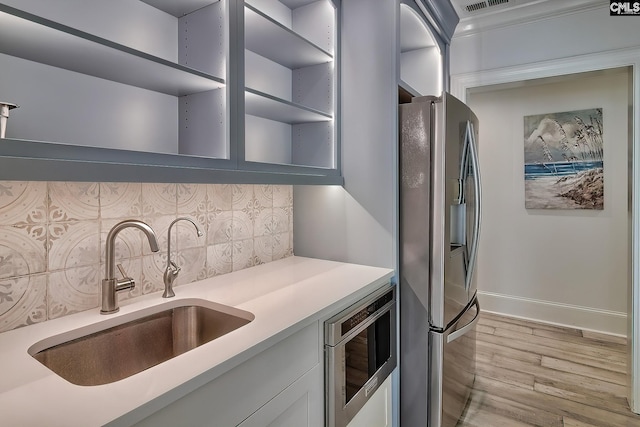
(270, 107)
(278, 43)
(294, 4)
(23, 160)
(38, 39)
(179, 8)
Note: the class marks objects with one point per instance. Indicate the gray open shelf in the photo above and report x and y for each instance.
(278, 43)
(38, 39)
(270, 107)
(179, 8)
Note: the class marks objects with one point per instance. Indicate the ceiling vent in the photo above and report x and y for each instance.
(475, 7)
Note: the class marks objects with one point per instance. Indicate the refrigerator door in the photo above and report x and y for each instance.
(455, 210)
(415, 235)
(452, 368)
(415, 198)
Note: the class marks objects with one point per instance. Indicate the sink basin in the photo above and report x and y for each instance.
(118, 348)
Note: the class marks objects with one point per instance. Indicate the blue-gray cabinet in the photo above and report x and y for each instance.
(170, 90)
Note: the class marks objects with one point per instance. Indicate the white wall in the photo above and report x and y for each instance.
(570, 266)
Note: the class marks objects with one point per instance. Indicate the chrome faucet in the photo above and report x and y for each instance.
(172, 270)
(111, 285)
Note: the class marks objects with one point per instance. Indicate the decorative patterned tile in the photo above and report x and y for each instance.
(220, 228)
(74, 244)
(120, 200)
(291, 251)
(159, 199)
(192, 200)
(242, 256)
(282, 196)
(187, 234)
(281, 246)
(23, 202)
(52, 238)
(263, 195)
(243, 226)
(73, 201)
(281, 220)
(219, 259)
(73, 290)
(290, 213)
(264, 224)
(193, 265)
(263, 249)
(219, 197)
(22, 252)
(23, 301)
(242, 194)
(153, 267)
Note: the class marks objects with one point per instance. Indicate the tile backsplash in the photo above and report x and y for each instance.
(52, 237)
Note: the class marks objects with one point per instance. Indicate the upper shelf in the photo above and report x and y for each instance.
(270, 107)
(38, 39)
(179, 8)
(278, 43)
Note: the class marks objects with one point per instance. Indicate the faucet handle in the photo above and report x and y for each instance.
(175, 267)
(126, 282)
(124, 273)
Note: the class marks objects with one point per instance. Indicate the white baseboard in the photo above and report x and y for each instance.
(592, 319)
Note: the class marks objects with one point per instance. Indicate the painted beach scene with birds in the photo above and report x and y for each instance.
(563, 160)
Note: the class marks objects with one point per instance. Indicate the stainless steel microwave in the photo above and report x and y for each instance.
(361, 352)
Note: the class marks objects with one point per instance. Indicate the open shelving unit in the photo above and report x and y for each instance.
(100, 89)
(41, 40)
(175, 88)
(421, 69)
(290, 84)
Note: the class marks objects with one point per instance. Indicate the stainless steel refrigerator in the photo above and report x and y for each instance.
(440, 215)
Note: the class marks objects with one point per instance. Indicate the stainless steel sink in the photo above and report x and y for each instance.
(137, 341)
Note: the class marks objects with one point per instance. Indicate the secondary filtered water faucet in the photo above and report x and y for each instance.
(172, 270)
(111, 285)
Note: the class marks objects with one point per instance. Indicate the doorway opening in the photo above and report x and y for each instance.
(567, 264)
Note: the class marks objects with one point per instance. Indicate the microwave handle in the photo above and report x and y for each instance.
(466, 328)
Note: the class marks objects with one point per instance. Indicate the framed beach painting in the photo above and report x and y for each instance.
(563, 160)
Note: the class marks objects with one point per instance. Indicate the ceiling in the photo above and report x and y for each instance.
(477, 15)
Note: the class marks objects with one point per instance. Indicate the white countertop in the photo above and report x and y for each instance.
(284, 296)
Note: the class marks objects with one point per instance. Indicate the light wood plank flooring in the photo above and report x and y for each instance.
(533, 374)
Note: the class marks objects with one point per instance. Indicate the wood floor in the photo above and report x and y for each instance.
(532, 374)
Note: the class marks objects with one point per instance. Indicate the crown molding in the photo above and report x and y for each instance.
(524, 13)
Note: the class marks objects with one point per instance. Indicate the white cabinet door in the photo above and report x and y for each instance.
(249, 387)
(299, 405)
(377, 411)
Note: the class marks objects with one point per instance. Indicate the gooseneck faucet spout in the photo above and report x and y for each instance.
(172, 270)
(111, 285)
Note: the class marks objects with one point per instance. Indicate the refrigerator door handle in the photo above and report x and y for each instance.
(466, 328)
(470, 136)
